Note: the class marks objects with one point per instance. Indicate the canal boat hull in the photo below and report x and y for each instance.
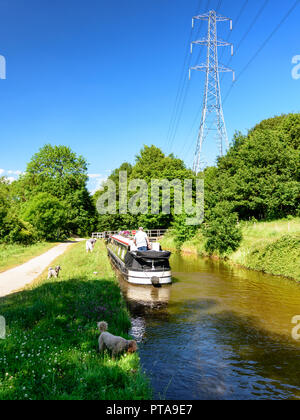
(155, 271)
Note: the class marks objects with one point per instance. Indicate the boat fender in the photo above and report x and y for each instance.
(155, 281)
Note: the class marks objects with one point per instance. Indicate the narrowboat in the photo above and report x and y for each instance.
(145, 268)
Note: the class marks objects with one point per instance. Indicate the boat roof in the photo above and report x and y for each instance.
(122, 240)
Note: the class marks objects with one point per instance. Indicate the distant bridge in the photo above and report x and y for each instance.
(152, 234)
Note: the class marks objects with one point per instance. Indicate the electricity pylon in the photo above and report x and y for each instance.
(212, 102)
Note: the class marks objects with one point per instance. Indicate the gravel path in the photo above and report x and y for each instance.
(18, 277)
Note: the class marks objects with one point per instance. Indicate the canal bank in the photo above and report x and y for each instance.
(270, 247)
(51, 346)
(219, 332)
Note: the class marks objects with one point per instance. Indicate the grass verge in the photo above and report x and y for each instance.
(271, 247)
(50, 352)
(13, 255)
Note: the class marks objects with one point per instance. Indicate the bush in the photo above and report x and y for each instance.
(48, 216)
(182, 232)
(278, 257)
(221, 231)
(15, 230)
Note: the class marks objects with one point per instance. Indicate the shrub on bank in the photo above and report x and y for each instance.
(222, 233)
(280, 257)
(13, 230)
(47, 214)
(272, 247)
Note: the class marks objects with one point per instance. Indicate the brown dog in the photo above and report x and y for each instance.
(116, 345)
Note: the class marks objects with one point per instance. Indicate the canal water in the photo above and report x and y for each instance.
(219, 332)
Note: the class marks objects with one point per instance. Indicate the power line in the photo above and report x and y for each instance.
(187, 89)
(212, 104)
(180, 86)
(217, 10)
(251, 26)
(260, 11)
(263, 45)
(182, 97)
(199, 111)
(236, 21)
(242, 9)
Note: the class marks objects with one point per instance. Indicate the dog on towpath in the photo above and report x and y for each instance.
(117, 345)
(54, 272)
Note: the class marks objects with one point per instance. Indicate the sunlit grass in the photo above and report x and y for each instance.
(51, 348)
(13, 255)
(271, 247)
(270, 230)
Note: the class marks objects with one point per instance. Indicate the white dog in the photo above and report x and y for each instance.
(90, 244)
(54, 272)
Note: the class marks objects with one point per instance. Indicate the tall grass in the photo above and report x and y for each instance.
(51, 347)
(12, 255)
(270, 230)
(271, 247)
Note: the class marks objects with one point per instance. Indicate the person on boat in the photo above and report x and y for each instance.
(141, 240)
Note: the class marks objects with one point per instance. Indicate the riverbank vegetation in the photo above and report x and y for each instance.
(271, 247)
(258, 180)
(50, 201)
(51, 347)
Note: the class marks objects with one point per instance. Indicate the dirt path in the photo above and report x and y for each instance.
(18, 277)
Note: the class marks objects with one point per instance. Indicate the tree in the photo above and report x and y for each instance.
(182, 232)
(47, 214)
(56, 170)
(260, 174)
(60, 173)
(221, 231)
(12, 228)
(151, 164)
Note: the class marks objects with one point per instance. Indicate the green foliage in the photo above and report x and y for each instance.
(47, 214)
(181, 231)
(221, 231)
(14, 230)
(50, 352)
(151, 164)
(55, 170)
(260, 174)
(60, 173)
(280, 257)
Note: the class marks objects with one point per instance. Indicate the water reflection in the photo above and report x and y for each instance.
(219, 332)
(145, 298)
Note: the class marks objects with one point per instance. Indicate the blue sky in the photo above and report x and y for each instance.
(102, 77)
